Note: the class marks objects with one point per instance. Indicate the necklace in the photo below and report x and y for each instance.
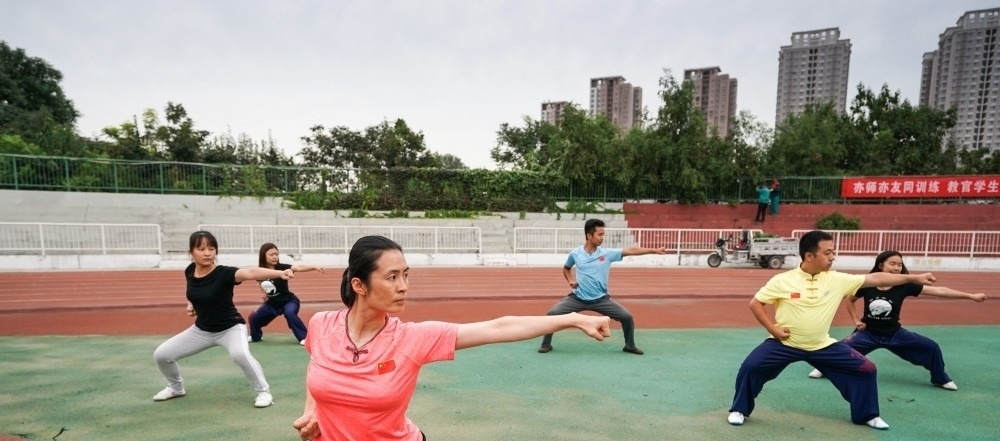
(358, 350)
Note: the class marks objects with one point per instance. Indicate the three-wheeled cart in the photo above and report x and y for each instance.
(767, 252)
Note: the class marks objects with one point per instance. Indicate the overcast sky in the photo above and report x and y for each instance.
(454, 70)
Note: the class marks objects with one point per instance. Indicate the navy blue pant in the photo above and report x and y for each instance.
(909, 346)
(853, 374)
(265, 313)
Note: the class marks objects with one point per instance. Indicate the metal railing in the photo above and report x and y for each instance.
(675, 240)
(53, 173)
(340, 239)
(46, 238)
(916, 243)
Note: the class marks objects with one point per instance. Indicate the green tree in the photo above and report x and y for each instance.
(382, 146)
(750, 138)
(130, 140)
(584, 146)
(892, 137)
(525, 148)
(32, 102)
(811, 143)
(448, 161)
(678, 152)
(178, 137)
(14, 145)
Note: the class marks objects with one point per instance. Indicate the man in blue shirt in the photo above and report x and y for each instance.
(590, 284)
(763, 200)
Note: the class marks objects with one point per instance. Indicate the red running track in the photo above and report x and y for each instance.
(151, 302)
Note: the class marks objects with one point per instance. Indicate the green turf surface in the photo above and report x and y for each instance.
(100, 388)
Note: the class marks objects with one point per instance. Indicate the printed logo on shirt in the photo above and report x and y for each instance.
(795, 295)
(384, 367)
(880, 307)
(600, 259)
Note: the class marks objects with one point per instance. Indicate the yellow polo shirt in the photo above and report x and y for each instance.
(806, 304)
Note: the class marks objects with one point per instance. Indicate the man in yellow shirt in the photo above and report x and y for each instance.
(805, 300)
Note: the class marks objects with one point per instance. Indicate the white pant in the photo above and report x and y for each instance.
(193, 340)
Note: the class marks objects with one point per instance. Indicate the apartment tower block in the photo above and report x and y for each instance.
(552, 111)
(616, 99)
(812, 70)
(964, 73)
(715, 95)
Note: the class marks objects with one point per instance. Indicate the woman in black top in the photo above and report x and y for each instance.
(880, 327)
(278, 299)
(217, 322)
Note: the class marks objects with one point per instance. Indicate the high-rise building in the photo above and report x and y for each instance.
(964, 73)
(552, 111)
(812, 70)
(616, 99)
(715, 95)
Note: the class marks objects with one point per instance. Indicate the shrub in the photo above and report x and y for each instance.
(837, 221)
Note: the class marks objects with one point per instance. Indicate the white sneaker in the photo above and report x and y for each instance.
(949, 386)
(302, 342)
(249, 338)
(168, 393)
(264, 399)
(736, 418)
(877, 423)
(815, 373)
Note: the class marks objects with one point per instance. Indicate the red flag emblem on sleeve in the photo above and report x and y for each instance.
(796, 295)
(385, 367)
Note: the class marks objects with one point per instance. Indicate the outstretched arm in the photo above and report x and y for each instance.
(639, 251)
(941, 291)
(889, 279)
(302, 267)
(258, 273)
(517, 328)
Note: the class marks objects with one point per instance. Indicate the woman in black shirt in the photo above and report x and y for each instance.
(278, 299)
(217, 322)
(880, 327)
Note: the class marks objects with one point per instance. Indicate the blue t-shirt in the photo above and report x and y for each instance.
(763, 195)
(592, 271)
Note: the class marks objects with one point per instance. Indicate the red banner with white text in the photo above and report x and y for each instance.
(973, 186)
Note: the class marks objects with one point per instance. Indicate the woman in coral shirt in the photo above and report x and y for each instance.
(364, 363)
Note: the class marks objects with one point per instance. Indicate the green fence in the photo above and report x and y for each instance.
(373, 189)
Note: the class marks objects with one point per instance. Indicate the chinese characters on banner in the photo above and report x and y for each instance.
(973, 186)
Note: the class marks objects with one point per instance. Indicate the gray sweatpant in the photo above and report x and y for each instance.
(193, 340)
(605, 305)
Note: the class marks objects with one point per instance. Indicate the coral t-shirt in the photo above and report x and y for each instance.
(365, 397)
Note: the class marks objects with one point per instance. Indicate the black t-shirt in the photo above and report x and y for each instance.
(882, 308)
(281, 294)
(212, 298)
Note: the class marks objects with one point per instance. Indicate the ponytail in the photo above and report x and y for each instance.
(347, 294)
